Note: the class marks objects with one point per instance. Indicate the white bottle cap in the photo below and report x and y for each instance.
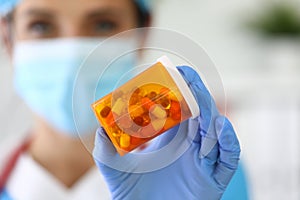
(182, 85)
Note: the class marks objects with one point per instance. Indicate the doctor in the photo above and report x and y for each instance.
(52, 163)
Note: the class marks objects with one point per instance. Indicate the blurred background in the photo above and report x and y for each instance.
(255, 45)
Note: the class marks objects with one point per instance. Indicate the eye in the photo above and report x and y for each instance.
(105, 27)
(41, 28)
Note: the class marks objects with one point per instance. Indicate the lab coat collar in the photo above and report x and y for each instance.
(29, 181)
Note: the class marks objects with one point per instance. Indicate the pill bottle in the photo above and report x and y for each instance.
(146, 106)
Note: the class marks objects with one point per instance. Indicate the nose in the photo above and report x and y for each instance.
(73, 27)
(73, 30)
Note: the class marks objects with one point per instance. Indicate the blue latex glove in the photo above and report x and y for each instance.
(193, 175)
(5, 196)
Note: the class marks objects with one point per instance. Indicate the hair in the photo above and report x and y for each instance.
(143, 16)
(7, 20)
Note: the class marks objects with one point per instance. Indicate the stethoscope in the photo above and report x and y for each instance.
(11, 163)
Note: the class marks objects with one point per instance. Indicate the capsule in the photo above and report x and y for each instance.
(134, 99)
(147, 103)
(136, 111)
(165, 102)
(175, 107)
(110, 119)
(119, 106)
(139, 121)
(158, 124)
(152, 95)
(158, 112)
(146, 119)
(105, 111)
(124, 140)
(116, 134)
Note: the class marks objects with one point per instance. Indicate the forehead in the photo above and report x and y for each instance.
(75, 7)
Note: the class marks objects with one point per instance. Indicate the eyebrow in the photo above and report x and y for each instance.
(38, 12)
(100, 12)
(103, 12)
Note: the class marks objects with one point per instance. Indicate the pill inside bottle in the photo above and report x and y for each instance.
(146, 106)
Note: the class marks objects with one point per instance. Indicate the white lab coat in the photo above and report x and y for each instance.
(29, 181)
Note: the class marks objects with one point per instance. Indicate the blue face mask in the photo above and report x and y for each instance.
(60, 78)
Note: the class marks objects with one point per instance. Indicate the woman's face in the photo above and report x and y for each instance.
(49, 19)
(40, 19)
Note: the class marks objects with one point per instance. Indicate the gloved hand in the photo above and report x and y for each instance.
(194, 175)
